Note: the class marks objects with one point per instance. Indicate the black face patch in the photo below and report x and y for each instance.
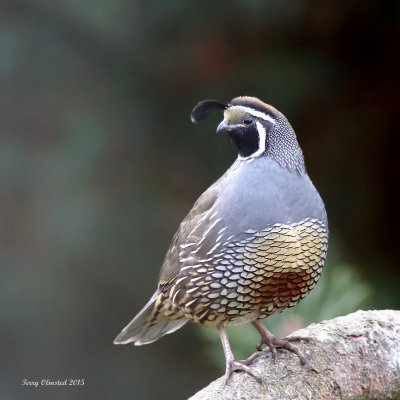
(246, 139)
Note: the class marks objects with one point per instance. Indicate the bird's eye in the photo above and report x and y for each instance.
(247, 120)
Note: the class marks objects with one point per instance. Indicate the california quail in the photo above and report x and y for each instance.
(253, 244)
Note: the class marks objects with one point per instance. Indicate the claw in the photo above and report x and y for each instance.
(241, 365)
(273, 343)
(233, 365)
(267, 339)
(272, 348)
(253, 357)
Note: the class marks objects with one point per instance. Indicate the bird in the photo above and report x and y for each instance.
(253, 245)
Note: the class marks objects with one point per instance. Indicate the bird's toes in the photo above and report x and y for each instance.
(253, 357)
(237, 366)
(274, 343)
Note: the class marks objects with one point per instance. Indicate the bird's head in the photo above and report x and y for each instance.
(257, 129)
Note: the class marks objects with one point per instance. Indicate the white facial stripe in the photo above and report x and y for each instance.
(254, 112)
(262, 136)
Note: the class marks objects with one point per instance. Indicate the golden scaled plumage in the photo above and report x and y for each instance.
(260, 275)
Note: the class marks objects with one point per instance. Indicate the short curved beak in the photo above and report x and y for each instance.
(223, 127)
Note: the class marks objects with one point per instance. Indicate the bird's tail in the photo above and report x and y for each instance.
(148, 325)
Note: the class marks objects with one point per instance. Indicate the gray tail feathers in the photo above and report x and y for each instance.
(148, 325)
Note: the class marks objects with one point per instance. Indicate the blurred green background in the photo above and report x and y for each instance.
(99, 163)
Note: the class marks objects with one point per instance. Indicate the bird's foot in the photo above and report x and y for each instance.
(242, 365)
(274, 343)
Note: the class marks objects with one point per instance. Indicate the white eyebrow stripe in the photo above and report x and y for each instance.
(262, 135)
(254, 112)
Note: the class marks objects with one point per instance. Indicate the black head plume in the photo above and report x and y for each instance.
(203, 108)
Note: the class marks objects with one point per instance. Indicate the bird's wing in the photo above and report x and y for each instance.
(194, 233)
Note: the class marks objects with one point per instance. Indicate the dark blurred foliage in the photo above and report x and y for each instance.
(99, 162)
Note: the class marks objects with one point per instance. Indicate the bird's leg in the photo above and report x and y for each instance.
(233, 365)
(273, 343)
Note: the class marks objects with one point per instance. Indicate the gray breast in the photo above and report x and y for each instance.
(255, 250)
(257, 194)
